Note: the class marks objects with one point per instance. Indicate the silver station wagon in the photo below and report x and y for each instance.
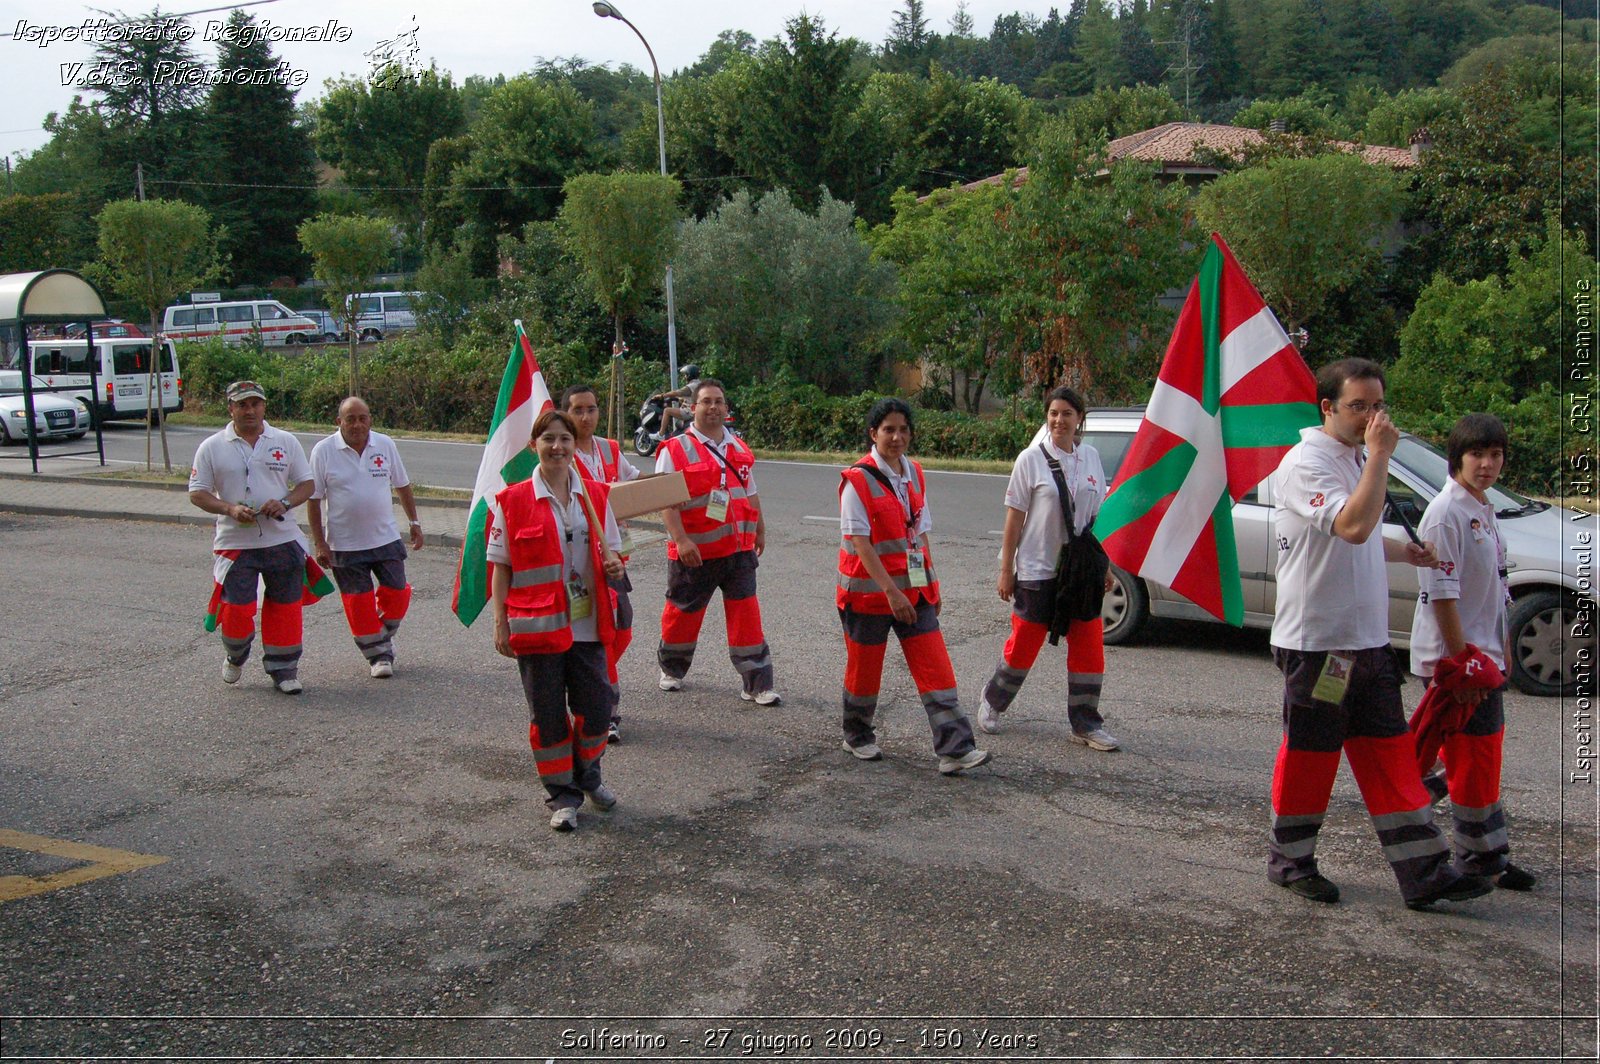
(1541, 561)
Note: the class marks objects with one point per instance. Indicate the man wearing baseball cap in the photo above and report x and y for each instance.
(251, 475)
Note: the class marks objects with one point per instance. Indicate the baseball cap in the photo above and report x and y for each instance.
(245, 390)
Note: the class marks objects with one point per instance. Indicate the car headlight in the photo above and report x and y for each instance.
(20, 415)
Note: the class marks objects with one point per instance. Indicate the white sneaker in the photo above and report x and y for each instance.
(231, 672)
(988, 718)
(1099, 739)
(669, 683)
(564, 820)
(290, 686)
(602, 798)
(866, 751)
(382, 670)
(950, 764)
(761, 698)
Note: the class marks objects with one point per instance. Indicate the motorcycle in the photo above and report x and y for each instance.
(649, 435)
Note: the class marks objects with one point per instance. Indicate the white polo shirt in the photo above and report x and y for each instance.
(853, 512)
(596, 467)
(1032, 490)
(664, 463)
(358, 488)
(236, 472)
(574, 548)
(1332, 595)
(1472, 558)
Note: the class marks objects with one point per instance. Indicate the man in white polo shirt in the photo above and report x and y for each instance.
(1330, 639)
(250, 475)
(355, 470)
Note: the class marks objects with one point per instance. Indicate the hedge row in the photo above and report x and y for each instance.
(412, 386)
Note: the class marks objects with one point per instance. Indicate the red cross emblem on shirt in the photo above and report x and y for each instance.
(378, 461)
(1093, 482)
(277, 455)
(1447, 568)
(1318, 499)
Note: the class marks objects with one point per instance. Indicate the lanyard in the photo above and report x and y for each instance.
(727, 465)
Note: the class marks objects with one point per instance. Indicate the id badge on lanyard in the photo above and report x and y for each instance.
(717, 508)
(580, 604)
(1334, 680)
(916, 566)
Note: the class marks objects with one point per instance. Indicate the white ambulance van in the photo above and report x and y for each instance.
(381, 313)
(122, 371)
(239, 322)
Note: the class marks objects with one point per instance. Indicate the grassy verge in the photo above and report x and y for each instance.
(181, 476)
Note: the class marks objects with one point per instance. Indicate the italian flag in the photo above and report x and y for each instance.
(506, 461)
(1230, 400)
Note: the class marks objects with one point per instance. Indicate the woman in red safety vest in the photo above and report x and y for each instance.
(885, 582)
(553, 545)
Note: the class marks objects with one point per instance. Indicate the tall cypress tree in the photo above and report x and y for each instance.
(259, 160)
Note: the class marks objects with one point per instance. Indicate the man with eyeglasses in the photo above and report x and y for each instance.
(1330, 639)
(250, 475)
(715, 539)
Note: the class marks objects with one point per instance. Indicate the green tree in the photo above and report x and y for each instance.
(1303, 228)
(1092, 250)
(152, 251)
(43, 232)
(141, 78)
(347, 252)
(771, 287)
(1113, 113)
(1496, 344)
(253, 141)
(378, 134)
(1394, 119)
(621, 228)
(908, 36)
(530, 137)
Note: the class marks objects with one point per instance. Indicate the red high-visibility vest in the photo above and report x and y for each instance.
(536, 604)
(610, 461)
(891, 538)
(704, 471)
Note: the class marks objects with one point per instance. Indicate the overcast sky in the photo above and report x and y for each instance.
(465, 37)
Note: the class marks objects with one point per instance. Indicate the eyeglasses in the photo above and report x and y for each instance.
(1361, 406)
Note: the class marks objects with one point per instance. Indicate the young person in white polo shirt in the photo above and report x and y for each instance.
(1330, 639)
(1464, 602)
(355, 471)
(250, 475)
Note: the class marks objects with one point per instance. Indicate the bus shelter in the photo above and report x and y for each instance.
(49, 297)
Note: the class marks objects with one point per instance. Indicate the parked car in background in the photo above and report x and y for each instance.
(240, 321)
(112, 328)
(332, 329)
(1542, 573)
(55, 417)
(381, 313)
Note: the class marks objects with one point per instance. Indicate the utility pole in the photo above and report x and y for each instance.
(1188, 24)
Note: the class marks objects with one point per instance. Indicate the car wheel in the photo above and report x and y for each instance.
(371, 336)
(1544, 654)
(5, 434)
(1126, 607)
(330, 338)
(293, 340)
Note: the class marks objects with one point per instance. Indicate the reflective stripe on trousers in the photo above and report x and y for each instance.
(866, 638)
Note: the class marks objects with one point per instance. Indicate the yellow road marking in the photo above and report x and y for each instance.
(100, 862)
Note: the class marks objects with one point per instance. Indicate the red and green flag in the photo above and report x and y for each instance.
(1231, 398)
(506, 461)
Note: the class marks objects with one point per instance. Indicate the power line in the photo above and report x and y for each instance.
(141, 20)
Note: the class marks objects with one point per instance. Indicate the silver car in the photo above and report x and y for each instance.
(1543, 569)
(54, 417)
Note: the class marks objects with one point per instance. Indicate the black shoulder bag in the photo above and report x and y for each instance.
(1080, 570)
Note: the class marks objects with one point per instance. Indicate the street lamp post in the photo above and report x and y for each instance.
(607, 10)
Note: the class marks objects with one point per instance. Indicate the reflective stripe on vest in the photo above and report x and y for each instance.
(704, 472)
(891, 540)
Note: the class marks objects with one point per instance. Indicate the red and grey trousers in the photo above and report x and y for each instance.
(866, 639)
(1472, 777)
(1032, 604)
(374, 614)
(569, 702)
(1369, 727)
(282, 569)
(689, 591)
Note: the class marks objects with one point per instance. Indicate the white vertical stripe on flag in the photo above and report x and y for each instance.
(1196, 499)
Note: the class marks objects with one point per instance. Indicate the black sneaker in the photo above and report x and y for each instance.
(1514, 878)
(1463, 889)
(613, 733)
(1313, 888)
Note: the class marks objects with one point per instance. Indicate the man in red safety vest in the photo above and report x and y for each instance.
(716, 538)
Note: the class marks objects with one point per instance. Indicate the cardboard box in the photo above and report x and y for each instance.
(647, 494)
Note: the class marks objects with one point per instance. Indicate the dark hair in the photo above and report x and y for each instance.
(1331, 378)
(1067, 395)
(702, 384)
(1472, 432)
(883, 408)
(574, 389)
(543, 421)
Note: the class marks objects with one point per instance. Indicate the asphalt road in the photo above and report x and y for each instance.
(367, 870)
